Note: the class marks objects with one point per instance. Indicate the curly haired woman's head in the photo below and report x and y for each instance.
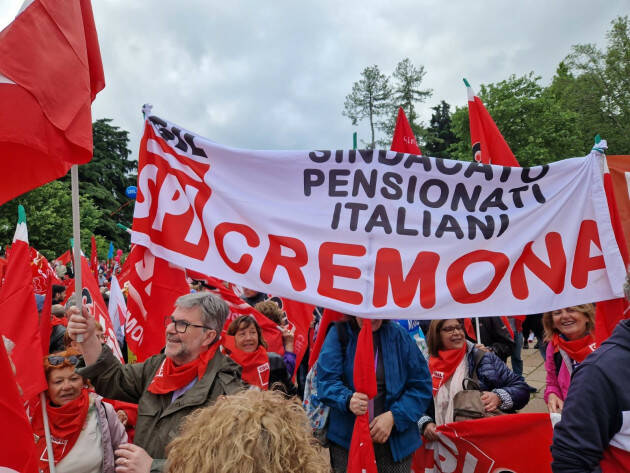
(249, 432)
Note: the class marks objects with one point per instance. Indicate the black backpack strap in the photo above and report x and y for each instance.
(557, 361)
(477, 356)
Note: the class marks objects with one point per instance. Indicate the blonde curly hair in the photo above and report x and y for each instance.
(249, 432)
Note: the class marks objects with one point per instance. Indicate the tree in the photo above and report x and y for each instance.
(407, 94)
(105, 178)
(535, 125)
(439, 135)
(595, 85)
(369, 98)
(49, 218)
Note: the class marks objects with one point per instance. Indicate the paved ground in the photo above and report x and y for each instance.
(535, 374)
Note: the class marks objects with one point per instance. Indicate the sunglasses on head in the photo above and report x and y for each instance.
(55, 360)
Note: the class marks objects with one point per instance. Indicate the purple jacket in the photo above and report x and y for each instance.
(113, 433)
(558, 385)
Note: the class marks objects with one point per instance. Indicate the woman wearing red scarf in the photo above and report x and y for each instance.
(568, 332)
(85, 431)
(451, 360)
(245, 344)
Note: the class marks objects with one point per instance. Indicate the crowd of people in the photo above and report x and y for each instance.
(205, 404)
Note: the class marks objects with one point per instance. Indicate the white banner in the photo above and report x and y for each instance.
(379, 233)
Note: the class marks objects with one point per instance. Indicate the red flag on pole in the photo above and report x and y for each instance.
(50, 72)
(19, 320)
(300, 316)
(154, 285)
(619, 167)
(404, 140)
(609, 313)
(488, 144)
(328, 317)
(16, 437)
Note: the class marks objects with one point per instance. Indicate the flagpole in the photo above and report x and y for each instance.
(76, 232)
(51, 455)
(478, 330)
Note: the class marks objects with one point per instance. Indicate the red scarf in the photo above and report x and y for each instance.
(58, 321)
(444, 365)
(66, 423)
(255, 365)
(169, 377)
(578, 349)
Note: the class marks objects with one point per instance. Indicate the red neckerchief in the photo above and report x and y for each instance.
(255, 365)
(66, 423)
(169, 377)
(58, 321)
(444, 365)
(578, 349)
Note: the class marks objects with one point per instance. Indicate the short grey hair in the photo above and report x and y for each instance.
(214, 310)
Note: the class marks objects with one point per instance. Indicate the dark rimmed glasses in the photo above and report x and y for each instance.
(452, 328)
(56, 360)
(181, 325)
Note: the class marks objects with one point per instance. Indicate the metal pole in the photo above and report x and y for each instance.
(478, 330)
(51, 455)
(76, 232)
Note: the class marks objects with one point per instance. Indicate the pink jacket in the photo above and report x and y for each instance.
(558, 385)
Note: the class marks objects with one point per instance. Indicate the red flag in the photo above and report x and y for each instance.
(404, 140)
(154, 285)
(64, 259)
(619, 167)
(328, 317)
(43, 274)
(488, 144)
(94, 259)
(609, 313)
(50, 72)
(361, 455)
(300, 316)
(489, 147)
(93, 299)
(16, 437)
(238, 307)
(488, 445)
(19, 320)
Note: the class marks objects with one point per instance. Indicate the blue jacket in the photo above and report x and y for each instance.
(494, 375)
(407, 381)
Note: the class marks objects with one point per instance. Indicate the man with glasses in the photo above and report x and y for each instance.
(192, 373)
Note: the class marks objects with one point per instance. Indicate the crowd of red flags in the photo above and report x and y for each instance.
(50, 73)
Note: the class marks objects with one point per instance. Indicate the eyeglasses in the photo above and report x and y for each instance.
(55, 360)
(181, 325)
(452, 328)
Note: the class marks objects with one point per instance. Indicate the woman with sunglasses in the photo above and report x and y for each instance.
(85, 431)
(451, 360)
(245, 344)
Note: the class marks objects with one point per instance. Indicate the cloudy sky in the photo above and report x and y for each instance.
(274, 75)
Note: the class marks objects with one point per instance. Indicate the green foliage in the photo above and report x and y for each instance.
(535, 125)
(595, 85)
(407, 94)
(49, 218)
(439, 135)
(102, 184)
(105, 178)
(374, 97)
(369, 98)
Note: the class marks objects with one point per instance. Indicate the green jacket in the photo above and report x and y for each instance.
(159, 419)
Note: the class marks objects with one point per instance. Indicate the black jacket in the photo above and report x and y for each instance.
(278, 374)
(495, 336)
